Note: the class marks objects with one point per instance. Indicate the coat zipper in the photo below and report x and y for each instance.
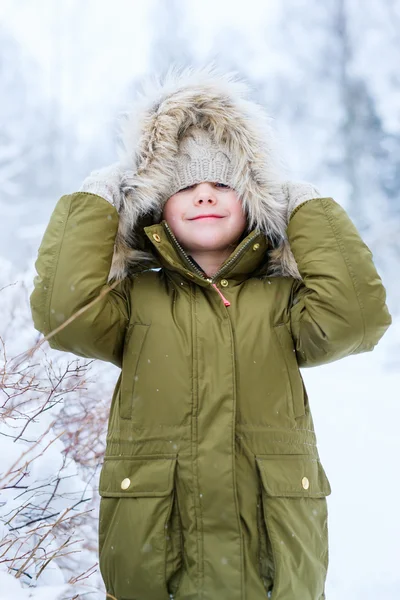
(210, 280)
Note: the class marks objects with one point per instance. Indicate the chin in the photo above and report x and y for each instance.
(211, 242)
(209, 237)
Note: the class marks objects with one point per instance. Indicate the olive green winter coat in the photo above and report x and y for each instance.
(212, 487)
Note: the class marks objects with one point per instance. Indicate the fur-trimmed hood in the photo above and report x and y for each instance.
(150, 134)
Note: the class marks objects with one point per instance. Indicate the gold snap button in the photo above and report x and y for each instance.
(256, 247)
(224, 283)
(156, 237)
(305, 483)
(125, 483)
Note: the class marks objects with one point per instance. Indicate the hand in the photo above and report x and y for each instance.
(298, 192)
(105, 182)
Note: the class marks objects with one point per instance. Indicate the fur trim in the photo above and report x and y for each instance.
(150, 135)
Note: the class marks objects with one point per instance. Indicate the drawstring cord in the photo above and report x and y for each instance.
(224, 300)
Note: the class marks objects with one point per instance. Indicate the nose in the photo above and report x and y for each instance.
(205, 194)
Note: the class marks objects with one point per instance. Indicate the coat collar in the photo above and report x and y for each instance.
(247, 258)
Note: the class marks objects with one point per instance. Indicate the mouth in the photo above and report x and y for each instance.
(210, 216)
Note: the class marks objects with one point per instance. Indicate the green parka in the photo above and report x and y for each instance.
(211, 487)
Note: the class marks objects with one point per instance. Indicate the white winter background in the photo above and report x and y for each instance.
(328, 73)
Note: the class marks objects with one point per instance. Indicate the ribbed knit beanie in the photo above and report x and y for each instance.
(200, 159)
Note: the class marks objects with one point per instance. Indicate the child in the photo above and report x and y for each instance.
(225, 280)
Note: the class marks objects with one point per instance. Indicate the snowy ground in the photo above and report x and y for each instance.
(355, 405)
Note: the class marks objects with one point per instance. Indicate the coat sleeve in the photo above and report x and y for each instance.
(72, 267)
(339, 308)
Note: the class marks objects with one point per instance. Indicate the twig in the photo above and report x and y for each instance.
(31, 351)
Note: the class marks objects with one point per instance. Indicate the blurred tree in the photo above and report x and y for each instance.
(171, 43)
(29, 137)
(23, 138)
(367, 155)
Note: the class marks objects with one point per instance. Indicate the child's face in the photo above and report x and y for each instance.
(205, 216)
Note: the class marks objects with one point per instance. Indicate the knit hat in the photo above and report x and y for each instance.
(200, 159)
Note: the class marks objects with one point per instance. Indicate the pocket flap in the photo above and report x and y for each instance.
(136, 476)
(292, 475)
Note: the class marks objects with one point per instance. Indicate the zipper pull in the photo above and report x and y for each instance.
(224, 300)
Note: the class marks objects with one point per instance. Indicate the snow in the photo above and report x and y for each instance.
(62, 89)
(354, 404)
(48, 504)
(11, 588)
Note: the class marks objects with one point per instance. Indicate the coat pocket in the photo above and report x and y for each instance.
(140, 537)
(296, 385)
(293, 491)
(134, 341)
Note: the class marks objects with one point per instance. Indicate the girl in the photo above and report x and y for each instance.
(209, 282)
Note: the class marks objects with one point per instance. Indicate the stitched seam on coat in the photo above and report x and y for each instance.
(274, 545)
(342, 249)
(294, 429)
(95, 195)
(259, 545)
(290, 399)
(55, 267)
(194, 445)
(233, 434)
(294, 211)
(294, 444)
(116, 304)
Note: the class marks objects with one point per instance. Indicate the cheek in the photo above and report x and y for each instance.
(165, 210)
(169, 209)
(172, 213)
(238, 213)
(174, 208)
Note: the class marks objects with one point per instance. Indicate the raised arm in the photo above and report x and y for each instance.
(340, 306)
(73, 265)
